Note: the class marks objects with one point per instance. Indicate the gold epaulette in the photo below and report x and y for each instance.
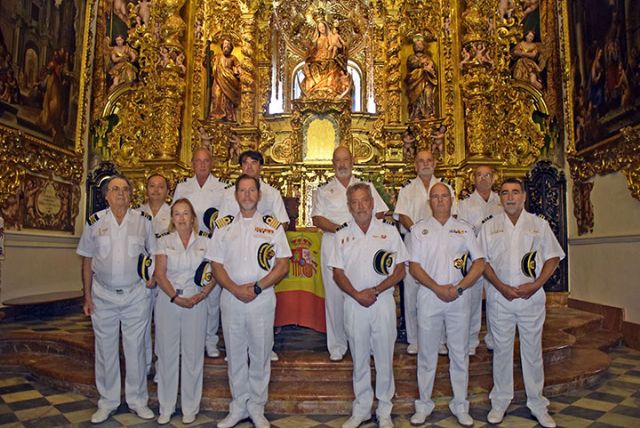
(205, 234)
(145, 215)
(93, 219)
(160, 235)
(389, 220)
(224, 221)
(271, 221)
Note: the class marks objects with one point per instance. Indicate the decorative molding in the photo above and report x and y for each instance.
(597, 240)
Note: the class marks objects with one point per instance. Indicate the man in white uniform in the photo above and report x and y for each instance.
(328, 212)
(205, 192)
(522, 254)
(116, 297)
(413, 206)
(249, 255)
(160, 212)
(368, 261)
(270, 202)
(440, 249)
(482, 205)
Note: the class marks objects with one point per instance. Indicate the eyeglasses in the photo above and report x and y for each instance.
(116, 189)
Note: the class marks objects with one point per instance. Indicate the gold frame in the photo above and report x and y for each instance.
(618, 153)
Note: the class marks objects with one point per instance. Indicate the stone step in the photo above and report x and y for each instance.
(602, 339)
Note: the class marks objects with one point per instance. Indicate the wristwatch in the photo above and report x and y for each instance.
(256, 288)
(460, 290)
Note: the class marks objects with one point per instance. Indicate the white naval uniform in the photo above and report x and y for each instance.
(248, 327)
(505, 245)
(476, 211)
(270, 202)
(160, 223)
(413, 201)
(120, 301)
(330, 201)
(210, 195)
(370, 330)
(436, 247)
(180, 332)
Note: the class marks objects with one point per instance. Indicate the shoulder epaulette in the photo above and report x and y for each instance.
(93, 219)
(542, 216)
(389, 220)
(182, 180)
(227, 184)
(205, 234)
(271, 221)
(160, 235)
(145, 215)
(487, 219)
(224, 221)
(342, 226)
(323, 184)
(407, 183)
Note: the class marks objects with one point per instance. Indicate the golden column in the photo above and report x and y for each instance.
(171, 79)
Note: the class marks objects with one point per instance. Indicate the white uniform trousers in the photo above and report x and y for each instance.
(213, 317)
(180, 334)
(148, 347)
(372, 330)
(488, 338)
(127, 310)
(475, 313)
(248, 332)
(433, 314)
(333, 302)
(528, 316)
(410, 296)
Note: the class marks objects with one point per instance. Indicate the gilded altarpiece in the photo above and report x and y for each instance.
(148, 85)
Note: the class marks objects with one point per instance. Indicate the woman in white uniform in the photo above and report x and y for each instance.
(181, 317)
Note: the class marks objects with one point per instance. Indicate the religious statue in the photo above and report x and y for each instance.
(143, 10)
(526, 68)
(325, 67)
(225, 89)
(122, 57)
(421, 81)
(51, 118)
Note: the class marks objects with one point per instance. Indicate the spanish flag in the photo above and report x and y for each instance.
(301, 294)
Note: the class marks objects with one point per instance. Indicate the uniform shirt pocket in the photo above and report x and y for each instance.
(104, 246)
(135, 246)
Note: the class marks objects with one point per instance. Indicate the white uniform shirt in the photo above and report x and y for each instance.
(436, 247)
(202, 198)
(476, 211)
(330, 201)
(270, 203)
(355, 253)
(182, 262)
(413, 200)
(505, 244)
(114, 248)
(161, 220)
(241, 244)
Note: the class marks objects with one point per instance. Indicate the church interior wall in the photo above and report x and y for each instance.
(604, 262)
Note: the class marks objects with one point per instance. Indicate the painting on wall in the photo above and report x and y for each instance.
(40, 61)
(605, 40)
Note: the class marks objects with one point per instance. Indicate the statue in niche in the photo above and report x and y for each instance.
(437, 141)
(325, 68)
(225, 89)
(526, 67)
(421, 81)
(143, 11)
(408, 144)
(122, 56)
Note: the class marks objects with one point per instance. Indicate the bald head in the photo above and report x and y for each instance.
(201, 162)
(425, 164)
(342, 162)
(483, 179)
(440, 200)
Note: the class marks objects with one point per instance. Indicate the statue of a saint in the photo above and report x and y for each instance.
(122, 57)
(526, 68)
(421, 81)
(225, 88)
(325, 68)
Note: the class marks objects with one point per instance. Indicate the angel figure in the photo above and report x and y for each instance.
(206, 137)
(437, 140)
(143, 10)
(122, 57)
(526, 54)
